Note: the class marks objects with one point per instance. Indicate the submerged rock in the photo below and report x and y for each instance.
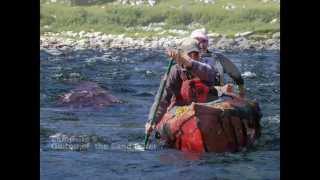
(248, 74)
(88, 94)
(53, 52)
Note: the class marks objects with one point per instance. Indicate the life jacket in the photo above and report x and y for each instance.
(194, 90)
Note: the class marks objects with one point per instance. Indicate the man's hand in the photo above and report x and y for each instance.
(181, 58)
(148, 128)
(228, 88)
(172, 53)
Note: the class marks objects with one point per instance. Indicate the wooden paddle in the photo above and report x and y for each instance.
(162, 86)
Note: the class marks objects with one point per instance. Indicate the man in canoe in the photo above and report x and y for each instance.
(220, 63)
(193, 79)
(188, 81)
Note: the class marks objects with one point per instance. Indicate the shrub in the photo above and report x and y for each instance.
(179, 18)
(116, 18)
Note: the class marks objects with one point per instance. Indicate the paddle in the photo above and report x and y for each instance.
(162, 85)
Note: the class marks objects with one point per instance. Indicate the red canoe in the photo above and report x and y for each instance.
(225, 126)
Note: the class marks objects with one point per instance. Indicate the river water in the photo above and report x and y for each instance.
(114, 134)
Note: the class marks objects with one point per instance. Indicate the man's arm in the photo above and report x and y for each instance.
(230, 69)
(233, 72)
(204, 71)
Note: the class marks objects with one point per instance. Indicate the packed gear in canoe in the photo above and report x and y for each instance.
(224, 125)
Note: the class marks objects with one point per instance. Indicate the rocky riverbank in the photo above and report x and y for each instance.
(65, 42)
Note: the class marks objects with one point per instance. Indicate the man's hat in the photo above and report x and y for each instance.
(189, 45)
(199, 33)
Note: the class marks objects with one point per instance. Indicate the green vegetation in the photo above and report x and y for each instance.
(249, 15)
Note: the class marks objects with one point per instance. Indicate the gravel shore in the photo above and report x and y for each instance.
(65, 42)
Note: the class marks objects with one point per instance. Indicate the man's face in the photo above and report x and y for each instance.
(203, 44)
(194, 55)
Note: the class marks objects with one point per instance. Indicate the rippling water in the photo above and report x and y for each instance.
(111, 138)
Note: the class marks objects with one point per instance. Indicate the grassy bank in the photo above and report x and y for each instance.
(249, 15)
